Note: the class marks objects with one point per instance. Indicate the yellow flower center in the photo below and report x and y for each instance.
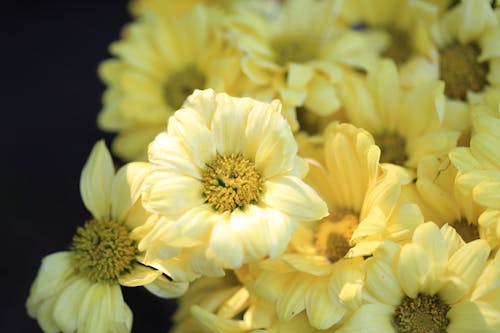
(422, 314)
(399, 48)
(392, 148)
(333, 234)
(231, 181)
(468, 231)
(459, 69)
(103, 250)
(294, 48)
(181, 84)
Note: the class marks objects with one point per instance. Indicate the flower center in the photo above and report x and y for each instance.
(392, 148)
(333, 234)
(294, 48)
(231, 181)
(181, 84)
(399, 48)
(459, 69)
(103, 250)
(468, 231)
(422, 314)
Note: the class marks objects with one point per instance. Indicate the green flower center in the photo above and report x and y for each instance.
(460, 70)
(392, 148)
(422, 314)
(333, 234)
(231, 181)
(468, 231)
(294, 48)
(181, 84)
(399, 48)
(103, 250)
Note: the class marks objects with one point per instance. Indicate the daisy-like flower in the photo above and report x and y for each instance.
(407, 123)
(478, 179)
(405, 27)
(436, 283)
(159, 62)
(322, 272)
(469, 61)
(227, 174)
(79, 290)
(298, 56)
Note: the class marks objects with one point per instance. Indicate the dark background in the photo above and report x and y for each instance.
(49, 99)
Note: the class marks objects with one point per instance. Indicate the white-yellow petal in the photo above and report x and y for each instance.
(293, 197)
(126, 188)
(96, 181)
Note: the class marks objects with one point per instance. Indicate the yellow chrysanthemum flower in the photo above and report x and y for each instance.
(407, 123)
(227, 174)
(469, 60)
(436, 283)
(298, 56)
(79, 290)
(322, 272)
(159, 62)
(478, 180)
(404, 26)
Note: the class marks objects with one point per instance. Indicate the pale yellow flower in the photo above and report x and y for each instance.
(298, 56)
(478, 179)
(436, 283)
(159, 62)
(322, 272)
(465, 201)
(79, 290)
(469, 60)
(404, 26)
(407, 123)
(227, 174)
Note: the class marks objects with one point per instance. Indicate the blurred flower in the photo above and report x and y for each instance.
(298, 55)
(407, 123)
(159, 62)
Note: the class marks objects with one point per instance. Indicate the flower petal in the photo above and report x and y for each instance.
(126, 188)
(169, 152)
(140, 275)
(224, 248)
(104, 310)
(321, 310)
(96, 181)
(164, 288)
(293, 197)
(171, 194)
(370, 318)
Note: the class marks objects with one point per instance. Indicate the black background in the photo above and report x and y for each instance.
(49, 99)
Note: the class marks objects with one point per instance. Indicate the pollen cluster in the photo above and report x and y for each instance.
(422, 314)
(103, 250)
(460, 70)
(231, 181)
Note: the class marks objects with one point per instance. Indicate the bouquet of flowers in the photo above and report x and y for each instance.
(292, 166)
